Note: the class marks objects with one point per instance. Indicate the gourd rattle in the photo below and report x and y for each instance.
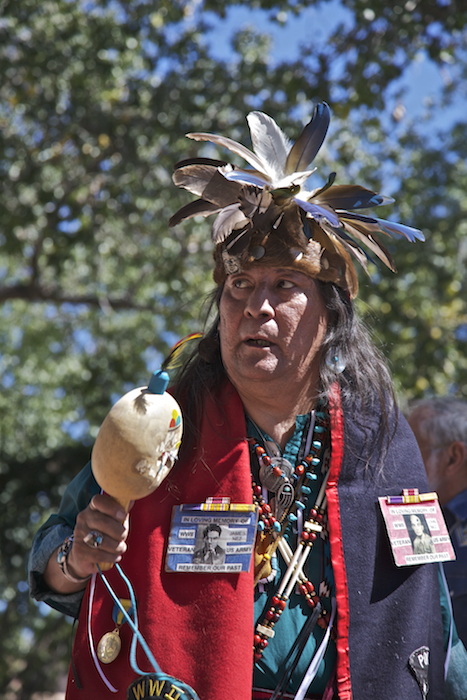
(137, 444)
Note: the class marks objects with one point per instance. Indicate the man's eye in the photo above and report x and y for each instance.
(286, 284)
(240, 283)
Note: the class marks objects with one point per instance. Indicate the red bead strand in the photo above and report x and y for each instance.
(303, 476)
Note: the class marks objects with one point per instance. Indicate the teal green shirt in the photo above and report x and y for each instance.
(268, 671)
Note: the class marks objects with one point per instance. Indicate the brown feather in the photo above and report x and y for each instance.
(338, 256)
(363, 233)
(208, 183)
(194, 178)
(326, 186)
(310, 141)
(199, 161)
(349, 197)
(253, 200)
(237, 242)
(197, 208)
(350, 246)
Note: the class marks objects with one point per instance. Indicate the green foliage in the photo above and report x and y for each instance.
(95, 100)
(421, 314)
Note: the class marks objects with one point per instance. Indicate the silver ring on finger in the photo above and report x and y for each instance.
(93, 539)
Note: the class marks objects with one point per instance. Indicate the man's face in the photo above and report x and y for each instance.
(211, 539)
(434, 457)
(416, 525)
(272, 324)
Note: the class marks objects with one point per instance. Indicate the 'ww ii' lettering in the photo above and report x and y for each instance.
(139, 691)
(173, 689)
(155, 687)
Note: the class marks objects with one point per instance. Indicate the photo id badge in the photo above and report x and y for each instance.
(212, 537)
(416, 528)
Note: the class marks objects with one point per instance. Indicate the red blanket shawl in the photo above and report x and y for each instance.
(195, 624)
(200, 626)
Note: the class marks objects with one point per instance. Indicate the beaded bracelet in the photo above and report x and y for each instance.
(62, 560)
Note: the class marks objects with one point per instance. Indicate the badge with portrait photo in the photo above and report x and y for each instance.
(416, 530)
(210, 540)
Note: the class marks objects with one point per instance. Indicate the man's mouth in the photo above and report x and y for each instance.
(259, 342)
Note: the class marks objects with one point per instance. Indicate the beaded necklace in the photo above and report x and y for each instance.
(292, 488)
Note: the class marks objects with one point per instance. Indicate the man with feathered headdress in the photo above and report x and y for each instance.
(288, 405)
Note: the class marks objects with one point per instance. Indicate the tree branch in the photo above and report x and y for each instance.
(35, 293)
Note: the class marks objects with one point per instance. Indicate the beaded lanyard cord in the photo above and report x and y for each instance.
(292, 491)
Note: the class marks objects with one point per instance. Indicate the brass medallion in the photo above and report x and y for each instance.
(109, 647)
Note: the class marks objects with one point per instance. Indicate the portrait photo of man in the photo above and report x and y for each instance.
(420, 534)
(210, 551)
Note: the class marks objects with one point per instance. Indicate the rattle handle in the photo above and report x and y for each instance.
(105, 566)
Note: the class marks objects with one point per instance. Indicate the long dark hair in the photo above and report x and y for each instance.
(365, 382)
(366, 377)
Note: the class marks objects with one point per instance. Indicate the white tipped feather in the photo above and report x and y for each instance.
(228, 220)
(252, 177)
(270, 144)
(392, 228)
(293, 179)
(248, 177)
(318, 213)
(231, 145)
(259, 198)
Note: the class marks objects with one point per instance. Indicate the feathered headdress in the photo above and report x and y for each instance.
(266, 216)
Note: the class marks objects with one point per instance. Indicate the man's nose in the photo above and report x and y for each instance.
(260, 303)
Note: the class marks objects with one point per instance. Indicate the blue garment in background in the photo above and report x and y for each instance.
(455, 512)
